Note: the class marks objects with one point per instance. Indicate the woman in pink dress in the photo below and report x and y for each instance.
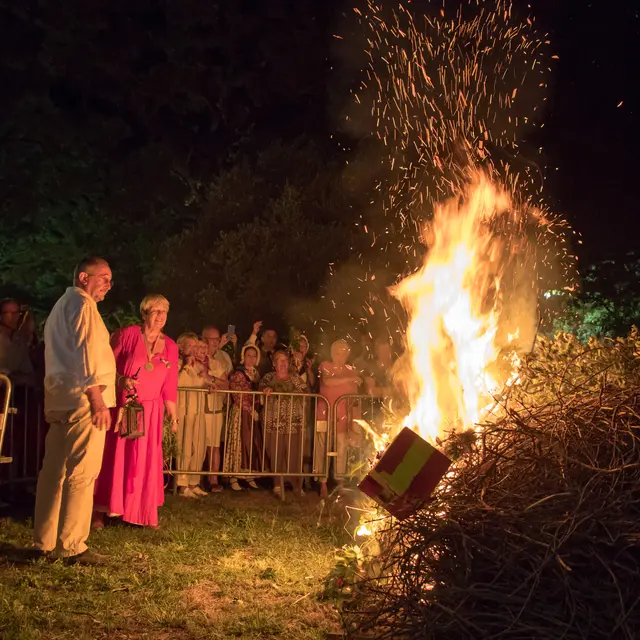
(131, 483)
(337, 378)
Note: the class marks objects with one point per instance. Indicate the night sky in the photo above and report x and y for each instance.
(141, 91)
(592, 141)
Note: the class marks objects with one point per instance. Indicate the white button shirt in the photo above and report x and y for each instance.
(77, 353)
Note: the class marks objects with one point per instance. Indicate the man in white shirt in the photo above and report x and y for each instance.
(80, 377)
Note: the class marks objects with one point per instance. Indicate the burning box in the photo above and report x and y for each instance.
(405, 475)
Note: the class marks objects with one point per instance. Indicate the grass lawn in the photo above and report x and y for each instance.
(225, 566)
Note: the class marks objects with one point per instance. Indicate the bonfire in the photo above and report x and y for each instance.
(535, 535)
(532, 531)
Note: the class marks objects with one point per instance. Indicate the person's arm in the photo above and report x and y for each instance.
(311, 376)
(263, 385)
(170, 386)
(87, 330)
(222, 381)
(375, 390)
(253, 338)
(331, 380)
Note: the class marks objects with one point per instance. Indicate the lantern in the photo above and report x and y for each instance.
(406, 474)
(130, 423)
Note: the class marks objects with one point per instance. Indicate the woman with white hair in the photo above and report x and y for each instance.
(131, 483)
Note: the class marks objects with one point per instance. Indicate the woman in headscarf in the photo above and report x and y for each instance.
(244, 448)
(283, 420)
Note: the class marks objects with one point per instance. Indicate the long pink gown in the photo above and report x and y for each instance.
(131, 481)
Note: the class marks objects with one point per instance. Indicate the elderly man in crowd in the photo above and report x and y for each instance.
(14, 348)
(80, 377)
(218, 369)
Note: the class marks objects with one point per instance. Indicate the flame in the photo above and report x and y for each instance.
(455, 304)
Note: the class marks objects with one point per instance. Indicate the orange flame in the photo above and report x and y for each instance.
(455, 302)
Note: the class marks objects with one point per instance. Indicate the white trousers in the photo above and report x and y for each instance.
(64, 496)
(191, 436)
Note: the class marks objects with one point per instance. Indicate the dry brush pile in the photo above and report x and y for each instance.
(537, 535)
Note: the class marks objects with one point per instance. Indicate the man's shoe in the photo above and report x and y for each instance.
(32, 554)
(87, 557)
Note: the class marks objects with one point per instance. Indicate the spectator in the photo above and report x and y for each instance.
(79, 391)
(244, 448)
(131, 482)
(217, 372)
(200, 354)
(268, 345)
(378, 372)
(15, 340)
(365, 352)
(337, 378)
(191, 426)
(283, 420)
(302, 364)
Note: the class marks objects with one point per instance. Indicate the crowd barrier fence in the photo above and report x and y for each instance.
(250, 435)
(22, 439)
(287, 436)
(353, 445)
(4, 414)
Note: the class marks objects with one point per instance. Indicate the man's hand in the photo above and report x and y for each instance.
(101, 417)
(256, 327)
(100, 414)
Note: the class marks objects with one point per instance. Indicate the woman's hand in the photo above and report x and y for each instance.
(257, 325)
(267, 391)
(174, 426)
(128, 384)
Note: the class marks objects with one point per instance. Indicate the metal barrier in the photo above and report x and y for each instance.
(290, 436)
(352, 445)
(23, 435)
(4, 415)
(249, 435)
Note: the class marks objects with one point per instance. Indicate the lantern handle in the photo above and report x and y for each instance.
(133, 394)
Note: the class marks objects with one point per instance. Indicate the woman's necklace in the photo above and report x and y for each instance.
(149, 349)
